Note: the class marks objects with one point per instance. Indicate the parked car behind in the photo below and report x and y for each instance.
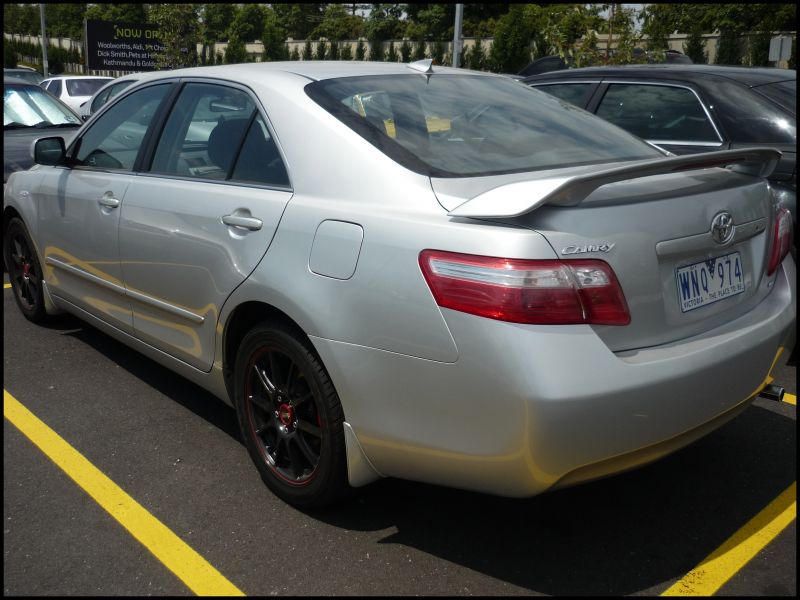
(29, 113)
(106, 93)
(689, 109)
(74, 90)
(412, 271)
(24, 73)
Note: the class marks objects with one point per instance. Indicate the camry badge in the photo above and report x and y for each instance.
(601, 247)
(722, 228)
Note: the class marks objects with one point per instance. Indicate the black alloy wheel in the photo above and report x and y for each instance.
(290, 417)
(24, 271)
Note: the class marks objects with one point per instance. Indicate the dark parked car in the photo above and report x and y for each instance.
(687, 109)
(29, 113)
(25, 73)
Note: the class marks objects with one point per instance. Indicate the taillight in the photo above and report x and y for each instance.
(781, 239)
(543, 292)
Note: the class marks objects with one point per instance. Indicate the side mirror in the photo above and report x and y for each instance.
(49, 151)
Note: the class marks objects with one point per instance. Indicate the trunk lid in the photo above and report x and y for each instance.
(651, 230)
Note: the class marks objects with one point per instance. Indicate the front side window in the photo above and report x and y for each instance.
(574, 93)
(458, 125)
(204, 132)
(54, 87)
(114, 139)
(657, 113)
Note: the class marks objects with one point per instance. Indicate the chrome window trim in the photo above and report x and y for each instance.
(611, 82)
(145, 299)
(563, 82)
(684, 143)
(250, 184)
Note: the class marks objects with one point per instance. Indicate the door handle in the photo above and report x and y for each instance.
(250, 223)
(108, 201)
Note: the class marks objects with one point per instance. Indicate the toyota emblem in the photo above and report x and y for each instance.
(722, 228)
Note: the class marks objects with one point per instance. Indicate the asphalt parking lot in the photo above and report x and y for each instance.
(686, 524)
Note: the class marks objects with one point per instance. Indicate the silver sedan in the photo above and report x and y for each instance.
(412, 271)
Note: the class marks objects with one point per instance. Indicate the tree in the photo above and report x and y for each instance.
(511, 47)
(308, 53)
(477, 57)
(299, 20)
(360, 50)
(65, 20)
(273, 37)
(321, 50)
(383, 24)
(376, 51)
(338, 25)
(130, 13)
(179, 31)
(695, 47)
(758, 52)
(346, 53)
(236, 52)
(437, 54)
(216, 21)
(9, 56)
(626, 37)
(405, 51)
(295, 55)
(729, 48)
(333, 51)
(248, 25)
(391, 54)
(419, 50)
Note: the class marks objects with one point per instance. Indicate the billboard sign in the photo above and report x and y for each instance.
(112, 45)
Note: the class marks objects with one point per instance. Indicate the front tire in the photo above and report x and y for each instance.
(290, 417)
(24, 271)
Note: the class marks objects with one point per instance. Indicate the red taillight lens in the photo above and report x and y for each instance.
(781, 239)
(543, 292)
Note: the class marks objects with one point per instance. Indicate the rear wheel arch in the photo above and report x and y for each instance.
(244, 318)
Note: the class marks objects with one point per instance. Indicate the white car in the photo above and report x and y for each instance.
(74, 90)
(106, 93)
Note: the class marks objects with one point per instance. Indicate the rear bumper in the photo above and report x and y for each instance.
(526, 408)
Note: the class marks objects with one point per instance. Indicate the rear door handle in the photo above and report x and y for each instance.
(250, 223)
(108, 201)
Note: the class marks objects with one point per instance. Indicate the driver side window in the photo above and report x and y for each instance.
(114, 140)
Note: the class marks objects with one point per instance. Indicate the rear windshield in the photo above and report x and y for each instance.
(84, 87)
(455, 125)
(783, 92)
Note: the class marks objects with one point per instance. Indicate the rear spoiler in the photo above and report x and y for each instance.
(515, 199)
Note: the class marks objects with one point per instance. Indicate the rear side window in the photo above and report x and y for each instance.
(459, 125)
(259, 160)
(657, 113)
(748, 117)
(204, 132)
(84, 87)
(574, 93)
(783, 93)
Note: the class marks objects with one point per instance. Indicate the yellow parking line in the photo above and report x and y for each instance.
(790, 399)
(722, 564)
(191, 568)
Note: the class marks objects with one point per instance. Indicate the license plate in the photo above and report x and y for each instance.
(709, 281)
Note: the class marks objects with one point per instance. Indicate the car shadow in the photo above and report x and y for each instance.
(618, 536)
(189, 395)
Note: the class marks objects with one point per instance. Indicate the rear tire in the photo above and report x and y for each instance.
(24, 271)
(290, 417)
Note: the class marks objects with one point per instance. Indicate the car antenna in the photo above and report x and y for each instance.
(424, 66)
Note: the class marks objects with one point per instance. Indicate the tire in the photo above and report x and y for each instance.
(290, 417)
(24, 271)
